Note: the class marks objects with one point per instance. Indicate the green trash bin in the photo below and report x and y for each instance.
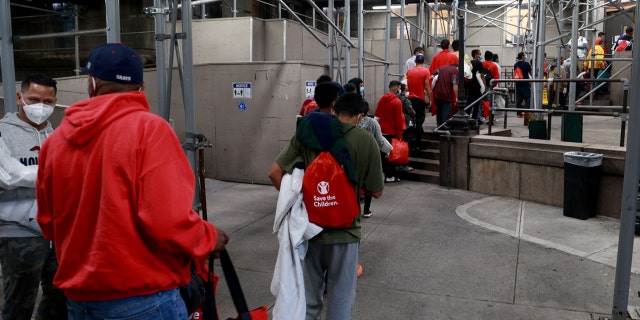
(582, 171)
(571, 128)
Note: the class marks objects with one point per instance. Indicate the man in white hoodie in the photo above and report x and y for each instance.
(27, 259)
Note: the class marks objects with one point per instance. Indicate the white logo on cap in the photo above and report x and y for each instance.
(123, 78)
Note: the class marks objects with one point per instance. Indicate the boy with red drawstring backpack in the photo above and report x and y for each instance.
(333, 252)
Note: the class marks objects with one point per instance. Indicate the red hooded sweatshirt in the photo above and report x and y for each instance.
(389, 111)
(114, 193)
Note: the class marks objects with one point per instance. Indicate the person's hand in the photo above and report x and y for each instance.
(221, 243)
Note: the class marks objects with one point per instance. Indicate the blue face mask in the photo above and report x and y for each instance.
(361, 91)
(480, 58)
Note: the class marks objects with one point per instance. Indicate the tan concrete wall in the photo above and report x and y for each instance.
(227, 40)
(616, 88)
(534, 170)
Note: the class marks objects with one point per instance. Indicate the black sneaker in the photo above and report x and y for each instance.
(367, 214)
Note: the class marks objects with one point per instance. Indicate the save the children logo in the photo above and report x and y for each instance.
(323, 187)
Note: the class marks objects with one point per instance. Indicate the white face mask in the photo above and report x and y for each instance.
(406, 94)
(38, 112)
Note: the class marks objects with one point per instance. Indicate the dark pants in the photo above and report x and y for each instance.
(367, 195)
(388, 168)
(27, 263)
(523, 94)
(444, 111)
(420, 108)
(580, 87)
(475, 110)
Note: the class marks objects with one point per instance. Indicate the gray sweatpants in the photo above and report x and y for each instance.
(339, 263)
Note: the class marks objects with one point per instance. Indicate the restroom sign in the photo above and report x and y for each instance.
(241, 90)
(310, 88)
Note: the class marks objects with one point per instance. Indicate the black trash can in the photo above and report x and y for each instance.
(582, 172)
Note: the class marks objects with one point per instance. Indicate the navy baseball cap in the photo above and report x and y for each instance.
(419, 58)
(115, 62)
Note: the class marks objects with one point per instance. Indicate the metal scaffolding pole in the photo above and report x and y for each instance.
(113, 20)
(159, 16)
(519, 36)
(403, 28)
(539, 55)
(573, 73)
(304, 25)
(559, 57)
(628, 208)
(330, 21)
(361, 39)
(386, 45)
(347, 47)
(76, 42)
(6, 57)
(331, 41)
(436, 8)
(422, 38)
(58, 35)
(188, 94)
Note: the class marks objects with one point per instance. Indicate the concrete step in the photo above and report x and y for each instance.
(424, 164)
(419, 175)
(433, 154)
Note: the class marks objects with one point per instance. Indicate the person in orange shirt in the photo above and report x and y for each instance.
(443, 57)
(389, 114)
(418, 81)
(488, 64)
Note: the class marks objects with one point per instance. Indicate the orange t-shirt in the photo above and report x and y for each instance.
(416, 81)
(442, 58)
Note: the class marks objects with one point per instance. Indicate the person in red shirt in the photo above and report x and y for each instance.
(418, 81)
(445, 91)
(488, 64)
(443, 57)
(391, 117)
(115, 193)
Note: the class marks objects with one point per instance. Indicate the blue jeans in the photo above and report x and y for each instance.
(160, 305)
(444, 111)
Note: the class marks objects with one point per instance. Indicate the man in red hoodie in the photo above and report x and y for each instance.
(391, 117)
(114, 192)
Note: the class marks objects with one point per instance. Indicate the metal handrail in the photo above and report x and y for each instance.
(551, 112)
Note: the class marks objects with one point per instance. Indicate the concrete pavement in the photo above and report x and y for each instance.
(434, 253)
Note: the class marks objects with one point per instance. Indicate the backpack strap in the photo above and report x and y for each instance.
(340, 151)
